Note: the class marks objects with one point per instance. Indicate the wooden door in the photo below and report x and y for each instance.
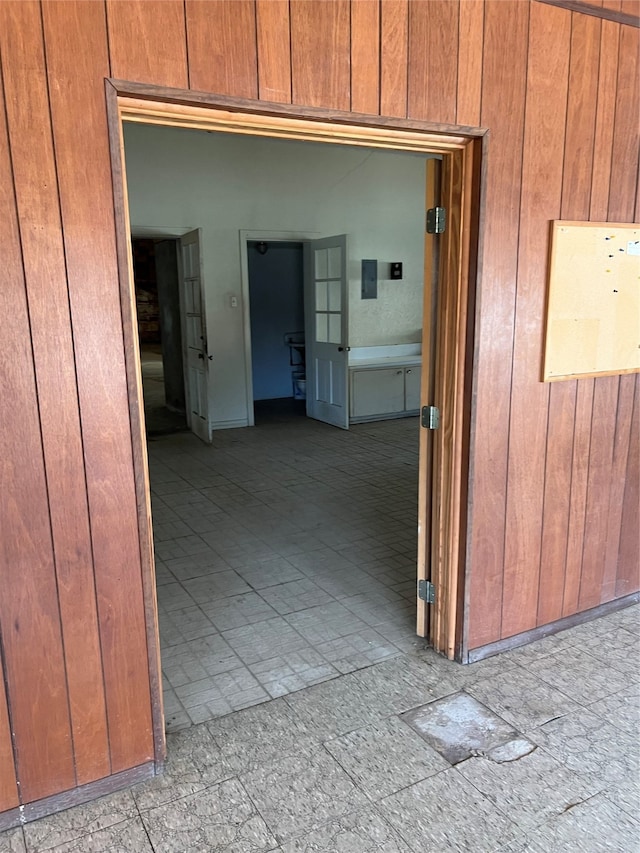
(326, 330)
(196, 355)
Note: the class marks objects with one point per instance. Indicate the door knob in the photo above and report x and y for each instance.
(344, 349)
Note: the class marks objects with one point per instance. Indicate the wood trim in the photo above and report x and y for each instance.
(462, 162)
(596, 11)
(136, 414)
(427, 393)
(77, 796)
(460, 186)
(162, 97)
(543, 631)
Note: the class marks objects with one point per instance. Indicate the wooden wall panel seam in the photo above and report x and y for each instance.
(59, 632)
(186, 43)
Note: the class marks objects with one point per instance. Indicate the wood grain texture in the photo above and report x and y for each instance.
(365, 56)
(547, 81)
(504, 80)
(221, 38)
(624, 159)
(29, 611)
(147, 41)
(569, 434)
(433, 60)
(274, 50)
(77, 62)
(320, 53)
(578, 496)
(471, 43)
(394, 51)
(628, 573)
(605, 402)
(44, 264)
(8, 780)
(617, 486)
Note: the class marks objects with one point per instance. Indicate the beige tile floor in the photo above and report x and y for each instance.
(303, 536)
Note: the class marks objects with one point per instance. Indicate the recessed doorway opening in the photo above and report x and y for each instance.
(447, 360)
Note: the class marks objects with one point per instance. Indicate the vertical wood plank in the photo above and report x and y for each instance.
(605, 114)
(44, 265)
(628, 574)
(365, 56)
(547, 81)
(147, 41)
(565, 430)
(77, 62)
(557, 489)
(394, 57)
(578, 497)
(221, 40)
(8, 783)
(617, 488)
(471, 39)
(626, 137)
(29, 613)
(320, 53)
(605, 402)
(598, 209)
(504, 76)
(274, 50)
(433, 60)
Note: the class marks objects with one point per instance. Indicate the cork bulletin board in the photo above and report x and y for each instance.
(593, 300)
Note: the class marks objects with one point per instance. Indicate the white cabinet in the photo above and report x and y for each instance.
(384, 392)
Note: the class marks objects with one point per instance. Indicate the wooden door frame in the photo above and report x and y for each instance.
(445, 469)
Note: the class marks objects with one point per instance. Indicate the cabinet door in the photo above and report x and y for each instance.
(377, 391)
(412, 388)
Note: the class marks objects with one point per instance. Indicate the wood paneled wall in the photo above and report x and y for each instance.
(554, 469)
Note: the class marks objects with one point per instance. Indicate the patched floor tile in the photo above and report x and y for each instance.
(302, 792)
(445, 813)
(362, 832)
(67, 826)
(458, 726)
(385, 757)
(221, 819)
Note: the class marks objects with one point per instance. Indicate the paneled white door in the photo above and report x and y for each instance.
(326, 329)
(194, 336)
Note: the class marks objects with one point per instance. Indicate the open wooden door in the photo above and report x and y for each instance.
(326, 329)
(194, 336)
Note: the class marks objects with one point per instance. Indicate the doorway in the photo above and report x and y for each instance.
(155, 273)
(277, 327)
(460, 188)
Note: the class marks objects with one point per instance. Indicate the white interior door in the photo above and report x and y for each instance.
(194, 336)
(326, 330)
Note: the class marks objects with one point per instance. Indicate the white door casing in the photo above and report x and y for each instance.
(194, 335)
(326, 330)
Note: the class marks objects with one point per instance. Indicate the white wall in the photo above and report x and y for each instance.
(224, 183)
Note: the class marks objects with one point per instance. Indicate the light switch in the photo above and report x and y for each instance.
(234, 301)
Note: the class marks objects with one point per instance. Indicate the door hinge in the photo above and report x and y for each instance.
(427, 592)
(430, 417)
(436, 220)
